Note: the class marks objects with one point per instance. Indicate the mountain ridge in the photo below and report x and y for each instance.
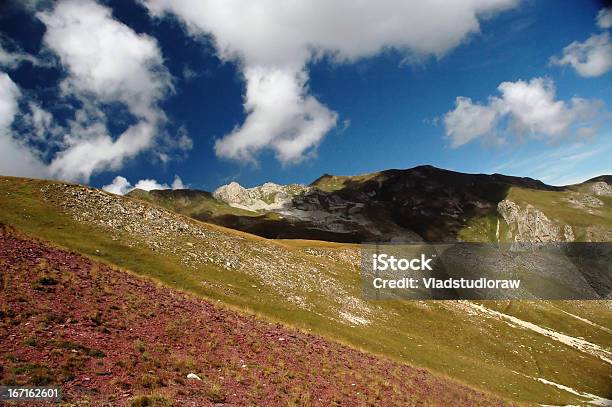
(423, 203)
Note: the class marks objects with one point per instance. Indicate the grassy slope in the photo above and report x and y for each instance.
(203, 203)
(110, 338)
(482, 352)
(332, 183)
(554, 204)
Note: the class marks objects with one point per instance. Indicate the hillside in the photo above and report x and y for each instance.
(516, 350)
(419, 204)
(107, 336)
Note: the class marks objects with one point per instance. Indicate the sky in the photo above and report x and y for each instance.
(183, 94)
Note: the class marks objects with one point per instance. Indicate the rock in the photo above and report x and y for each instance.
(585, 202)
(193, 376)
(268, 196)
(601, 188)
(568, 233)
(233, 193)
(532, 225)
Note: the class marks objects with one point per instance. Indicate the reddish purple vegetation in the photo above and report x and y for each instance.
(107, 336)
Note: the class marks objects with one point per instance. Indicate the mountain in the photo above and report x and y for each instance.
(158, 276)
(418, 204)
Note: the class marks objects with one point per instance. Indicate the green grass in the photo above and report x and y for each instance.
(555, 206)
(332, 183)
(195, 207)
(482, 352)
(483, 229)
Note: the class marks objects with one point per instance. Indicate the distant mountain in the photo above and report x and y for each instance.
(602, 178)
(424, 203)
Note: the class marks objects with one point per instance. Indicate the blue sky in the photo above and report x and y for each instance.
(350, 106)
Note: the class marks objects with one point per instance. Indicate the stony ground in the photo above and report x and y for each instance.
(108, 337)
(199, 245)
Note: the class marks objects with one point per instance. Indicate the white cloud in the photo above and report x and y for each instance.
(8, 100)
(42, 120)
(119, 186)
(149, 185)
(107, 62)
(533, 108)
(468, 121)
(282, 117)
(177, 183)
(592, 57)
(529, 107)
(44, 127)
(15, 158)
(12, 60)
(122, 186)
(98, 151)
(273, 42)
(604, 18)
(106, 58)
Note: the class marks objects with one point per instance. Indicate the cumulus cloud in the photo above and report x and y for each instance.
(121, 186)
(604, 18)
(592, 57)
(107, 62)
(15, 157)
(528, 108)
(106, 58)
(533, 109)
(177, 183)
(98, 151)
(469, 121)
(273, 43)
(150, 184)
(282, 117)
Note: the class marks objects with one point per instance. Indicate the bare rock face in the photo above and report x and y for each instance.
(233, 193)
(532, 225)
(601, 188)
(268, 196)
(584, 201)
(568, 233)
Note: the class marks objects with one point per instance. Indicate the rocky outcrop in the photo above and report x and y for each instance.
(585, 202)
(269, 196)
(233, 194)
(314, 210)
(601, 188)
(532, 225)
